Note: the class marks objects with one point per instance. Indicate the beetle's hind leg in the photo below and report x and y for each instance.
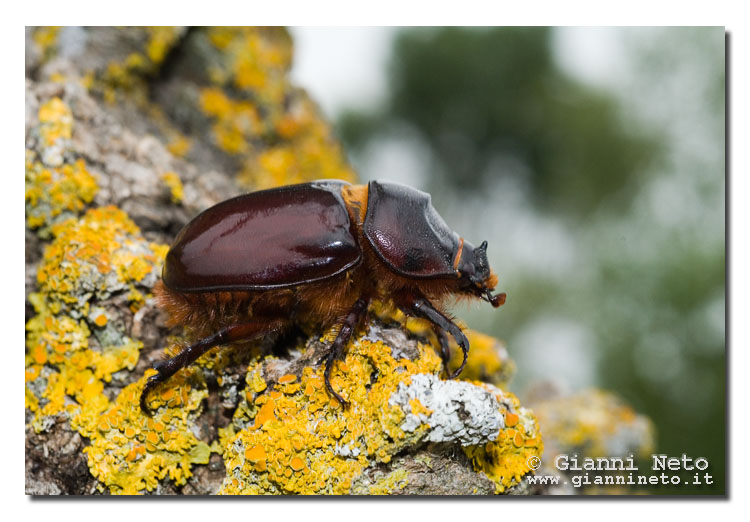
(342, 339)
(232, 333)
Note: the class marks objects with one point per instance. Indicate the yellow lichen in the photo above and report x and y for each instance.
(130, 453)
(55, 187)
(178, 145)
(251, 99)
(52, 193)
(507, 459)
(311, 444)
(160, 40)
(101, 253)
(235, 122)
(255, 59)
(488, 360)
(387, 485)
(46, 38)
(590, 423)
(55, 121)
(297, 439)
(66, 371)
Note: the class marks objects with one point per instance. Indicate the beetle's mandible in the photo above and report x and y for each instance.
(250, 266)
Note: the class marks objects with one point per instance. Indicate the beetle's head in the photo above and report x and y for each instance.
(475, 276)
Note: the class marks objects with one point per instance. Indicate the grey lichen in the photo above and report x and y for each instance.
(460, 411)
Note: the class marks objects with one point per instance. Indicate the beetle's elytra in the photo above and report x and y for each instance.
(252, 265)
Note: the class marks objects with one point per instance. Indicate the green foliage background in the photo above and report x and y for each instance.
(603, 206)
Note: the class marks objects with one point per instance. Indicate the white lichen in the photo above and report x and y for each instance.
(460, 411)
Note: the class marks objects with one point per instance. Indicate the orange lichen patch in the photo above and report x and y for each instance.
(56, 193)
(297, 464)
(265, 414)
(75, 371)
(102, 253)
(594, 423)
(284, 379)
(506, 460)
(172, 181)
(312, 445)
(101, 320)
(130, 453)
(488, 359)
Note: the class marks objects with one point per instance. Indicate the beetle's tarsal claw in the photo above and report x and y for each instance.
(332, 356)
(150, 384)
(338, 397)
(463, 342)
(458, 371)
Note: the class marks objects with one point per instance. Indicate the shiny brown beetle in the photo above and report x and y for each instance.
(250, 266)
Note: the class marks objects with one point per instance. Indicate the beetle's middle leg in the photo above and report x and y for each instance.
(342, 339)
(232, 333)
(419, 306)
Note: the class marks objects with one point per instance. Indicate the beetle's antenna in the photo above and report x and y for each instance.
(495, 300)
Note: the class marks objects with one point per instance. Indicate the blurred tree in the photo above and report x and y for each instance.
(482, 96)
(628, 182)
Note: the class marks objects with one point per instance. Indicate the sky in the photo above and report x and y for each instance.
(346, 66)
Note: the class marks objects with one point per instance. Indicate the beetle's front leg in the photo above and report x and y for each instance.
(342, 339)
(419, 306)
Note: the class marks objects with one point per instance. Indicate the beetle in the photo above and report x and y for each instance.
(253, 265)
